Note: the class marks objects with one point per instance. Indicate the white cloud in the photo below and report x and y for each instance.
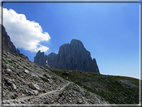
(24, 33)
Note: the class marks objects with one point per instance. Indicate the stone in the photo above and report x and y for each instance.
(34, 92)
(26, 71)
(8, 71)
(14, 95)
(34, 86)
(7, 66)
(46, 101)
(8, 81)
(48, 76)
(13, 86)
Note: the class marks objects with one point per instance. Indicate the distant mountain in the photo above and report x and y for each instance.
(71, 56)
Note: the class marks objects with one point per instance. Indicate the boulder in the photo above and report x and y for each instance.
(46, 101)
(8, 81)
(34, 92)
(8, 71)
(34, 86)
(26, 71)
(13, 86)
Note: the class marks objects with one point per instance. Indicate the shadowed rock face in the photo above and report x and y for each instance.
(70, 56)
(40, 58)
(7, 44)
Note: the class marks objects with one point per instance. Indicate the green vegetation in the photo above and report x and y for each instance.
(11, 61)
(87, 93)
(114, 89)
(4, 54)
(44, 79)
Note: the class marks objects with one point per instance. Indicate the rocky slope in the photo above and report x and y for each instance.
(71, 56)
(25, 82)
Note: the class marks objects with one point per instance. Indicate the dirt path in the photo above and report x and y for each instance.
(40, 95)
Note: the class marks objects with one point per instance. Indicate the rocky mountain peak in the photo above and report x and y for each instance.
(71, 56)
(40, 58)
(8, 46)
(76, 43)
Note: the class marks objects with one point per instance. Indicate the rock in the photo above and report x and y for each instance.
(26, 71)
(34, 92)
(23, 56)
(13, 86)
(8, 81)
(48, 76)
(14, 95)
(7, 66)
(46, 102)
(8, 71)
(34, 86)
(14, 70)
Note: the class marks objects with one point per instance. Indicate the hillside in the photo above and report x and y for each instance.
(114, 89)
(25, 82)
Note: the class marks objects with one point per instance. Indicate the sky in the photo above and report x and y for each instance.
(109, 31)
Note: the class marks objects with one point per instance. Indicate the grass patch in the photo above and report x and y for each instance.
(44, 79)
(87, 93)
(4, 54)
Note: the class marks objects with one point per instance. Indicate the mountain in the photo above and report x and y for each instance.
(40, 58)
(24, 82)
(7, 44)
(71, 56)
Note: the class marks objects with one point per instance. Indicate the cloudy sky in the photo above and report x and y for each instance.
(110, 31)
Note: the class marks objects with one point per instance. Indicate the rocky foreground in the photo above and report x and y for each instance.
(25, 82)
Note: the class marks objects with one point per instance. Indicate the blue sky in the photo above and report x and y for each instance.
(110, 31)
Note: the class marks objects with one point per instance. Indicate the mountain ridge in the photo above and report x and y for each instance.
(73, 56)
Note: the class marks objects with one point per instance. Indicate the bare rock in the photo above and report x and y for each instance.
(46, 101)
(8, 81)
(34, 92)
(26, 71)
(13, 86)
(34, 86)
(8, 71)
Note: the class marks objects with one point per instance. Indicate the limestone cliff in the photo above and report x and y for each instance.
(71, 56)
